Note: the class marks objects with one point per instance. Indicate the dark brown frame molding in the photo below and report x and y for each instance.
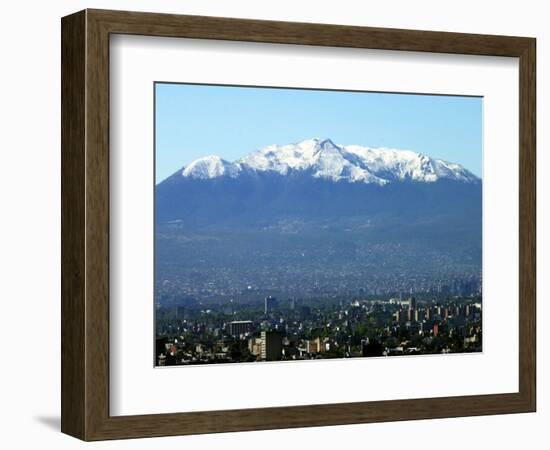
(85, 224)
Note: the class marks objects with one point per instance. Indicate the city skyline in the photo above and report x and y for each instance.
(300, 330)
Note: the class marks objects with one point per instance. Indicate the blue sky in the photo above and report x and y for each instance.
(195, 120)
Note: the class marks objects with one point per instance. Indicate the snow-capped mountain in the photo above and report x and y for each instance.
(324, 159)
(319, 182)
(211, 167)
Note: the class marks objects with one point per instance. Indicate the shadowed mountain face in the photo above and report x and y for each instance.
(259, 200)
(373, 210)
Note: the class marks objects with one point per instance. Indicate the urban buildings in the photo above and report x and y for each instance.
(271, 346)
(317, 329)
(239, 327)
(270, 304)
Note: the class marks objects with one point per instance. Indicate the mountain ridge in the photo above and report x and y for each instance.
(323, 159)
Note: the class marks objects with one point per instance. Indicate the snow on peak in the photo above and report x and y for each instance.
(406, 165)
(322, 158)
(211, 167)
(282, 158)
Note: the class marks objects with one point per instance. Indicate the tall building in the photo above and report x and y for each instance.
(270, 304)
(427, 313)
(271, 346)
(315, 346)
(411, 312)
(239, 327)
(255, 346)
(397, 315)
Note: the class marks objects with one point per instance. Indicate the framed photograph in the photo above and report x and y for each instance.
(272, 225)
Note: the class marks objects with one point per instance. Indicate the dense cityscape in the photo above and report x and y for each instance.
(193, 332)
(292, 259)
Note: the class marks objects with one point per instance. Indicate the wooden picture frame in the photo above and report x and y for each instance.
(85, 224)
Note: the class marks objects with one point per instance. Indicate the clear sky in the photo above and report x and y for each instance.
(193, 121)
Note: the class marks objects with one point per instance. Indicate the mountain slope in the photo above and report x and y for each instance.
(317, 181)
